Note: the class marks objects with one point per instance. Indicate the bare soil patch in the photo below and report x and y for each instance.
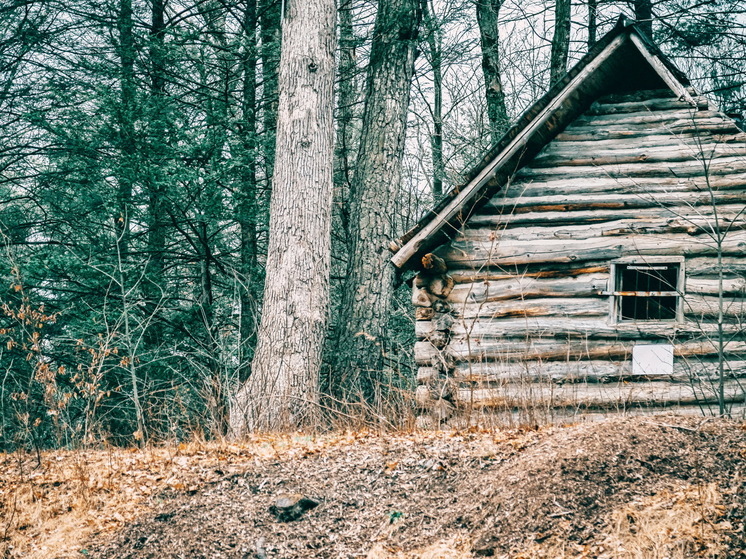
(640, 487)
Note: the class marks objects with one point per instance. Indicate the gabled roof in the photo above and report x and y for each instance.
(624, 60)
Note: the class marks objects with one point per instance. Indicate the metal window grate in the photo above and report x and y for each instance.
(647, 291)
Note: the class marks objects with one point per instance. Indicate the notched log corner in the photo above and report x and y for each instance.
(421, 313)
(423, 396)
(438, 338)
(420, 297)
(434, 277)
(444, 322)
(442, 362)
(442, 410)
(440, 306)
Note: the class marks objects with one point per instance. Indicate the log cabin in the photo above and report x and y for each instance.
(594, 262)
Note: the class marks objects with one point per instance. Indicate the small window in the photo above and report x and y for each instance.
(647, 291)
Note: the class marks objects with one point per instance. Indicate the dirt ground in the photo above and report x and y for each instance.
(646, 487)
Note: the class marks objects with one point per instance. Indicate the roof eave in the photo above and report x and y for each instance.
(450, 211)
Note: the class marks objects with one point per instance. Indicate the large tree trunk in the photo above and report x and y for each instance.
(364, 312)
(560, 40)
(488, 12)
(282, 391)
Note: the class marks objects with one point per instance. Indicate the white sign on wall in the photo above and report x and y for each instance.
(652, 359)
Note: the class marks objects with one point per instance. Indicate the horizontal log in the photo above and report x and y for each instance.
(589, 371)
(705, 267)
(515, 331)
(524, 297)
(731, 286)
(612, 395)
(645, 118)
(538, 371)
(714, 123)
(588, 133)
(571, 156)
(604, 221)
(708, 266)
(572, 184)
(610, 202)
(695, 226)
(546, 349)
(555, 306)
(549, 350)
(479, 254)
(657, 104)
(584, 285)
(695, 306)
(687, 168)
(693, 143)
(533, 415)
(427, 374)
(467, 275)
(578, 317)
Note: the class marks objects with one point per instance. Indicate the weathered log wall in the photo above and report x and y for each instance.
(523, 318)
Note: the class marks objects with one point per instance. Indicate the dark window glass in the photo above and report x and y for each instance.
(648, 291)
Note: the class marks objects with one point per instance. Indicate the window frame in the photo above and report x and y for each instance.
(616, 295)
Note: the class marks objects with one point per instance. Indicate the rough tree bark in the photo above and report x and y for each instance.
(282, 391)
(364, 312)
(488, 12)
(560, 40)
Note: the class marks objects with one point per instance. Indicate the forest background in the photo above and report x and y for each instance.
(137, 156)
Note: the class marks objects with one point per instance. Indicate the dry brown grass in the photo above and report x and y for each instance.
(683, 522)
(679, 523)
(455, 548)
(50, 509)
(54, 508)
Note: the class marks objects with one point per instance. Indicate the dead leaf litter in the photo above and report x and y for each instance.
(623, 488)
